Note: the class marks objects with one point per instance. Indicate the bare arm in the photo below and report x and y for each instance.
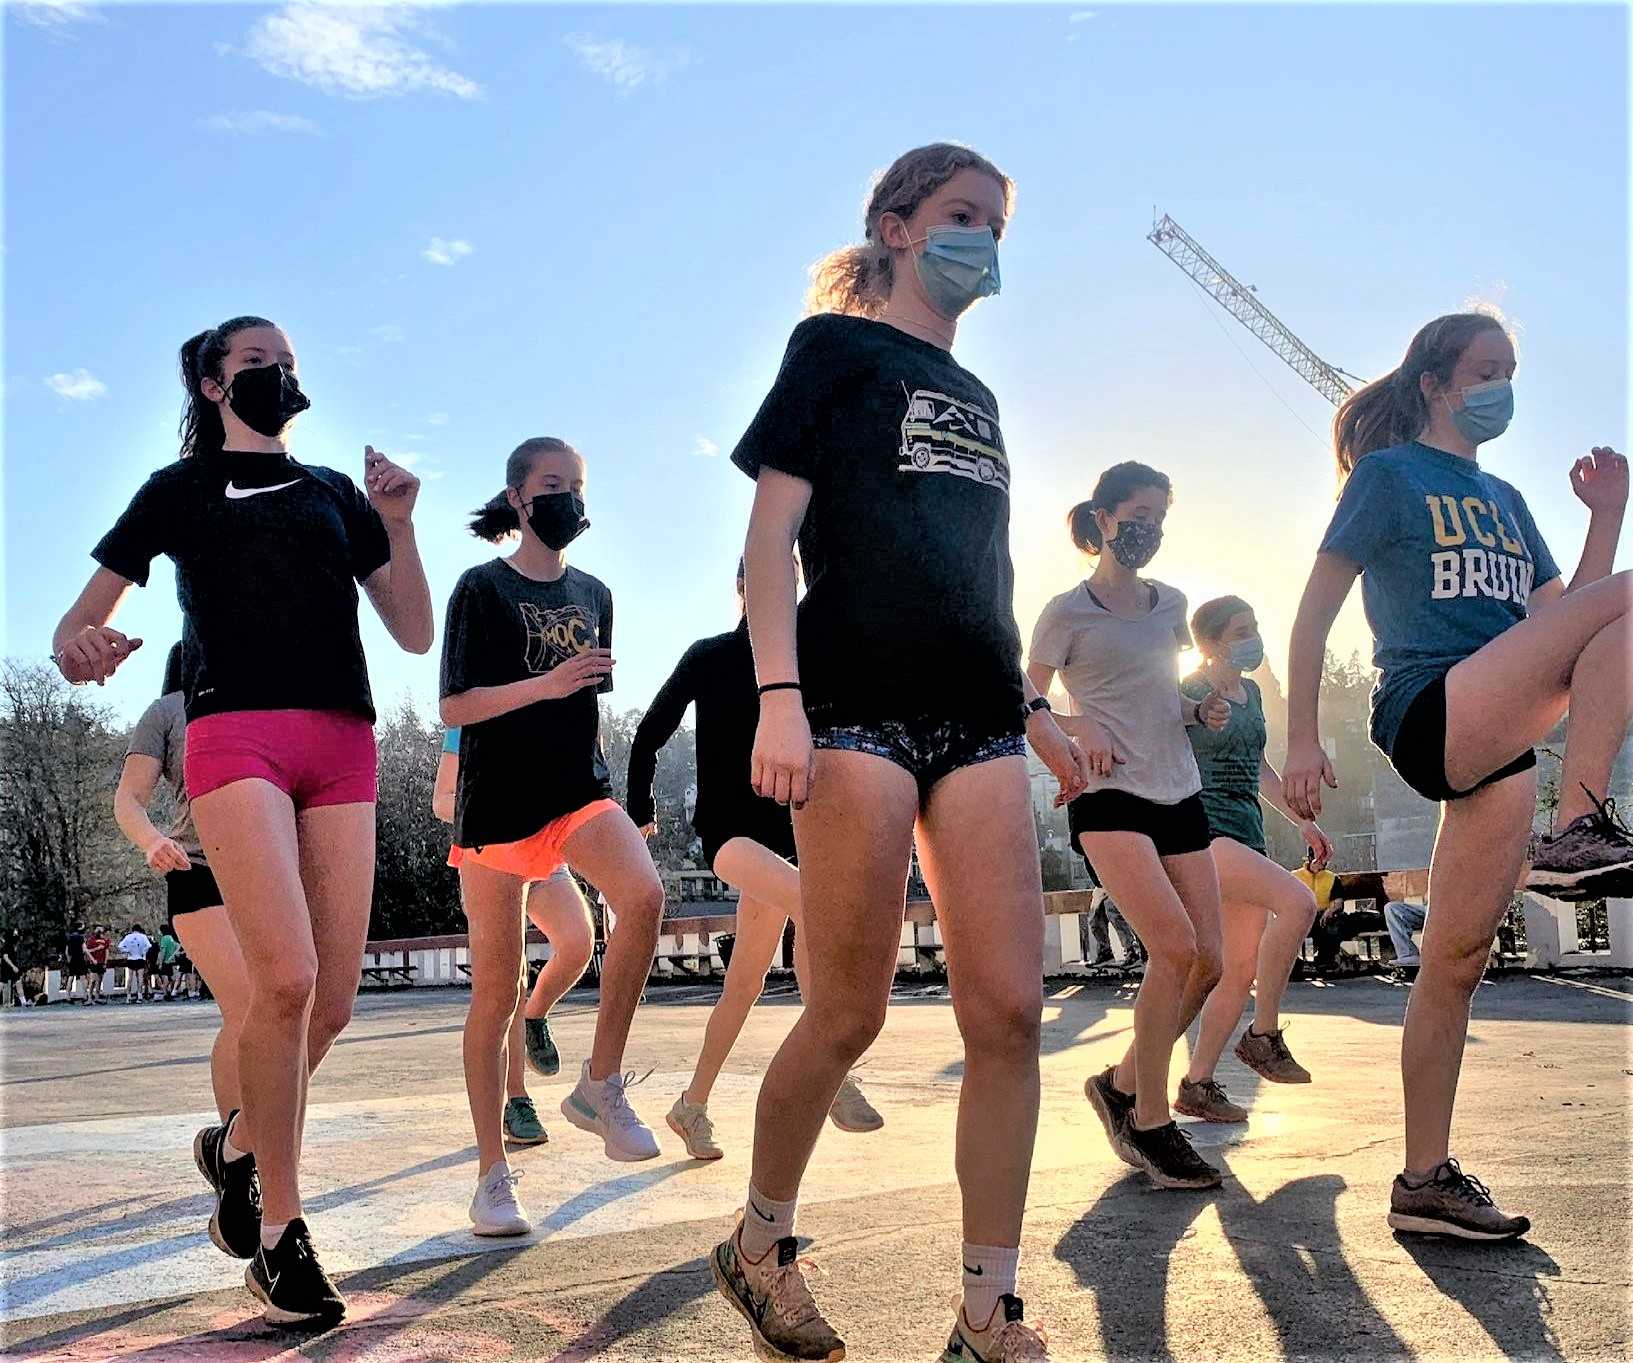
(137, 780)
(489, 702)
(400, 592)
(84, 647)
(442, 793)
(781, 765)
(1307, 766)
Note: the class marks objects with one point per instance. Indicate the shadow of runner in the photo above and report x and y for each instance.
(644, 1305)
(1500, 1285)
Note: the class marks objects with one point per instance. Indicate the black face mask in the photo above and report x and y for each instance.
(557, 518)
(266, 398)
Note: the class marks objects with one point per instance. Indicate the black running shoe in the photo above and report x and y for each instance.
(1115, 1110)
(1169, 1159)
(235, 1224)
(291, 1282)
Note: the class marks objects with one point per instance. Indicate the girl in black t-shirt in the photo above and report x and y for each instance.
(900, 710)
(748, 842)
(526, 650)
(279, 744)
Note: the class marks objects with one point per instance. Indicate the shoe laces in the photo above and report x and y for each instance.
(790, 1295)
(850, 1089)
(1454, 1180)
(1019, 1342)
(1213, 1089)
(501, 1191)
(1179, 1145)
(524, 1105)
(1606, 821)
(617, 1105)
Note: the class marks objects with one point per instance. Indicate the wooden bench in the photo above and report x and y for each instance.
(391, 976)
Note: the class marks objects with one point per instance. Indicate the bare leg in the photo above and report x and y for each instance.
(493, 902)
(759, 930)
(979, 855)
(208, 938)
(515, 1043)
(611, 853)
(855, 839)
(1477, 860)
(557, 909)
(1242, 926)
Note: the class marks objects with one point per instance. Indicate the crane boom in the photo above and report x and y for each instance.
(1238, 300)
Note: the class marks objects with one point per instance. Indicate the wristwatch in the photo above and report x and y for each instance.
(1034, 705)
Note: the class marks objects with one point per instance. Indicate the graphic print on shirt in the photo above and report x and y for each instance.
(555, 634)
(1479, 555)
(944, 435)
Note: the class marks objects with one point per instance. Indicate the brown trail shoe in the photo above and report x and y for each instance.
(1005, 1338)
(1115, 1110)
(1268, 1057)
(1451, 1203)
(773, 1298)
(1209, 1101)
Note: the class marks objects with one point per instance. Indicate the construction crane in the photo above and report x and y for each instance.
(1238, 300)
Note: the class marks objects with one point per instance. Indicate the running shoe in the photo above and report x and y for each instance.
(602, 1108)
(1005, 1338)
(542, 1054)
(522, 1124)
(1451, 1202)
(851, 1110)
(1208, 1100)
(690, 1121)
(235, 1224)
(1579, 860)
(1169, 1159)
(776, 1303)
(1115, 1110)
(496, 1210)
(1266, 1054)
(291, 1283)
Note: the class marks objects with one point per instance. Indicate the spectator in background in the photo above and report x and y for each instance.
(1403, 920)
(134, 947)
(97, 946)
(11, 969)
(75, 965)
(168, 974)
(1334, 923)
(1096, 929)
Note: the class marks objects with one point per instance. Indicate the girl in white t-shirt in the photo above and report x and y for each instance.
(1115, 640)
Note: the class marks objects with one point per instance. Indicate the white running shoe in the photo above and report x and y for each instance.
(602, 1108)
(495, 1210)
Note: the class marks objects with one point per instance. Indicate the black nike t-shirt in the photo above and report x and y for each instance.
(268, 555)
(523, 769)
(910, 603)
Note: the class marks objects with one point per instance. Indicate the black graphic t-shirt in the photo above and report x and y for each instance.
(268, 555)
(910, 603)
(522, 769)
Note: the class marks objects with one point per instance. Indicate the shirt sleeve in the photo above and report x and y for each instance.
(1368, 514)
(792, 431)
(460, 633)
(1182, 628)
(366, 540)
(141, 534)
(148, 734)
(604, 632)
(656, 728)
(1051, 638)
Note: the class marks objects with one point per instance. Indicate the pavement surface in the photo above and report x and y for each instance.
(103, 1252)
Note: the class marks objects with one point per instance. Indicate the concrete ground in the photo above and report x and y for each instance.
(103, 1253)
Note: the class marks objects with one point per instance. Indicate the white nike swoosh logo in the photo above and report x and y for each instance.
(235, 493)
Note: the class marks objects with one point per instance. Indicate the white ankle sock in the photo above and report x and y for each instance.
(272, 1232)
(989, 1272)
(229, 1151)
(765, 1221)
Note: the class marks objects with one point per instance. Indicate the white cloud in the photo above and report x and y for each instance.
(446, 251)
(55, 16)
(1081, 16)
(625, 66)
(361, 51)
(706, 447)
(389, 334)
(407, 459)
(437, 419)
(80, 386)
(256, 121)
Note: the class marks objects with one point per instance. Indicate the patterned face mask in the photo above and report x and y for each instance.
(1137, 543)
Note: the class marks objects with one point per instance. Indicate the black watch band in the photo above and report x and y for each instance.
(1037, 703)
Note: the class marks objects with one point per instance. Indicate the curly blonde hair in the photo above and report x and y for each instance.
(857, 280)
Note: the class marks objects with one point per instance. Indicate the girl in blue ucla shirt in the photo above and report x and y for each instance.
(1481, 649)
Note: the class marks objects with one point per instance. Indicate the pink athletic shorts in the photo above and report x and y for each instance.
(316, 757)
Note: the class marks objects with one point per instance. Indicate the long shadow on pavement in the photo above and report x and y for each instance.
(1500, 1285)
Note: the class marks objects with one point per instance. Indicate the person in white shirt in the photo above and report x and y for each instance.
(134, 946)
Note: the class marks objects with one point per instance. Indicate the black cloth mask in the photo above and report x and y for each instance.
(557, 518)
(266, 398)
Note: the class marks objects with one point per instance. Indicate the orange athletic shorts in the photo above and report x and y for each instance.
(537, 857)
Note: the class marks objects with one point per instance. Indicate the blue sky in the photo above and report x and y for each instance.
(480, 224)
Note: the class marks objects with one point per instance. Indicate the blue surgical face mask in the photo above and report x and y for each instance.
(1486, 411)
(1247, 654)
(957, 266)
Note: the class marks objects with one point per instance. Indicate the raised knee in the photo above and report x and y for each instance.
(1209, 967)
(331, 1016)
(1175, 951)
(575, 951)
(643, 906)
(285, 989)
(851, 1033)
(1299, 904)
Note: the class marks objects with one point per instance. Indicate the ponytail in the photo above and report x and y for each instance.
(496, 519)
(1117, 484)
(201, 356)
(857, 280)
(1393, 410)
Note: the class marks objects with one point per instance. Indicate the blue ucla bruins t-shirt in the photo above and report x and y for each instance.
(1449, 556)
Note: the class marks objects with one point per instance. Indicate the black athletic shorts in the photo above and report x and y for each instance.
(191, 890)
(1419, 754)
(1173, 829)
(771, 827)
